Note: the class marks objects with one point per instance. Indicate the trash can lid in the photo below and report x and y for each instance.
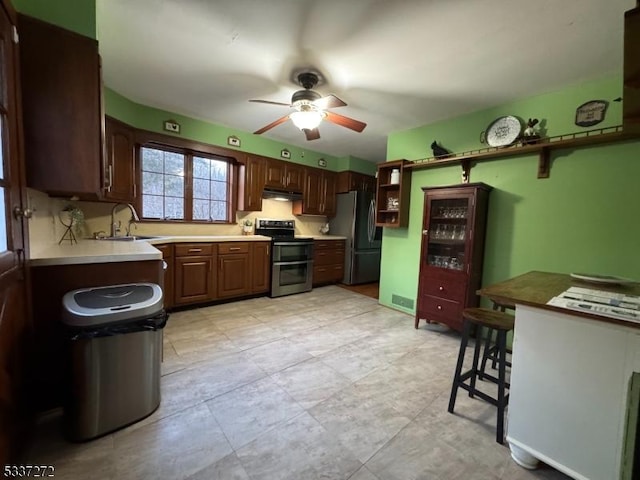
(92, 307)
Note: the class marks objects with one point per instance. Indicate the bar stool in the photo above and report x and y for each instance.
(490, 351)
(502, 323)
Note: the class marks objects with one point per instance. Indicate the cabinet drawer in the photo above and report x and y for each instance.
(327, 274)
(328, 244)
(190, 249)
(443, 286)
(233, 247)
(436, 308)
(167, 250)
(328, 257)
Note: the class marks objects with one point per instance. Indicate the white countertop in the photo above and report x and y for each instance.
(106, 251)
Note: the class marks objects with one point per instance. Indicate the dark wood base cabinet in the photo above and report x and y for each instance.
(328, 261)
(452, 252)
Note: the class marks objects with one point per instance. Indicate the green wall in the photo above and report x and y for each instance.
(584, 218)
(152, 119)
(76, 15)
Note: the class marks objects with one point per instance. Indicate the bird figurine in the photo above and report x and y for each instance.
(438, 151)
(530, 133)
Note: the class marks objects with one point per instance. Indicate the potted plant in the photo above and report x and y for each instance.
(247, 227)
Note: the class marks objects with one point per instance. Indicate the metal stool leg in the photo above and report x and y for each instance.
(486, 353)
(501, 341)
(456, 376)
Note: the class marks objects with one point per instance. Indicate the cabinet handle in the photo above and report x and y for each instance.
(109, 177)
(439, 307)
(195, 250)
(441, 288)
(233, 249)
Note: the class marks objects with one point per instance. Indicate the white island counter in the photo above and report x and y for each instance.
(570, 379)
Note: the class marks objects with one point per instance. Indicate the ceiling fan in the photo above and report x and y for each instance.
(311, 109)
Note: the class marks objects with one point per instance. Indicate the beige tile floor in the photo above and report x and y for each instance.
(322, 385)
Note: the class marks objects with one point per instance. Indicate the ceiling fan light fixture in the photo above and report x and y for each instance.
(306, 120)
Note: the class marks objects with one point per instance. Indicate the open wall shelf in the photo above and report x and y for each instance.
(543, 147)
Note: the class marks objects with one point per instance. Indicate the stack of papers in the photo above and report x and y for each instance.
(599, 302)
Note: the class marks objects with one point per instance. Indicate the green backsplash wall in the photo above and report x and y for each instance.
(75, 15)
(584, 218)
(152, 119)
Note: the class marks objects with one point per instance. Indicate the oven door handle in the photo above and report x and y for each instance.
(301, 262)
(304, 244)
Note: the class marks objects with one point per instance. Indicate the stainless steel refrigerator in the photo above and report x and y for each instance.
(355, 219)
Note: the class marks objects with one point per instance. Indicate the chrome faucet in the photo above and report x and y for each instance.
(115, 227)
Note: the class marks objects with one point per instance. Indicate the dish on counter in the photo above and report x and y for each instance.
(603, 279)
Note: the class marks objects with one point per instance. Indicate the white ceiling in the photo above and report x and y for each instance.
(397, 64)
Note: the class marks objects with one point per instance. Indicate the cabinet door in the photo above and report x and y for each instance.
(61, 101)
(328, 200)
(294, 177)
(311, 197)
(260, 266)
(120, 168)
(194, 279)
(233, 275)
(252, 181)
(275, 177)
(169, 286)
(631, 74)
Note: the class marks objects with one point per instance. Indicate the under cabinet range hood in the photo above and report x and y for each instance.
(281, 195)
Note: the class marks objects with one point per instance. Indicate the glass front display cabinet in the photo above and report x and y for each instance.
(453, 233)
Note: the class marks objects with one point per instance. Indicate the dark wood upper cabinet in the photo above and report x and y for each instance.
(452, 252)
(284, 175)
(62, 109)
(349, 181)
(631, 103)
(120, 165)
(318, 195)
(251, 184)
(393, 194)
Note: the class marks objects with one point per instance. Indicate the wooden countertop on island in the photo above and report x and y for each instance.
(537, 288)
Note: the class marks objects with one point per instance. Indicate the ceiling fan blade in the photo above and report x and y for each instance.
(330, 101)
(343, 121)
(272, 124)
(313, 134)
(271, 103)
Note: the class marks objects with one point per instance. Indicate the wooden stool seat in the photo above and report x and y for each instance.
(501, 323)
(489, 318)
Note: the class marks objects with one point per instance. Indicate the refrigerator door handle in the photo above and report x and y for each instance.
(372, 223)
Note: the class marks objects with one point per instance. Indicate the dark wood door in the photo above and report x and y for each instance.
(16, 330)
(233, 275)
(194, 279)
(61, 98)
(294, 177)
(252, 180)
(311, 200)
(120, 168)
(328, 194)
(260, 266)
(275, 177)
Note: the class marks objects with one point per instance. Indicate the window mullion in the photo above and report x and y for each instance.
(188, 187)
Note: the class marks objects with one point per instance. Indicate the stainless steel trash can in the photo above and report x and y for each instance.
(114, 338)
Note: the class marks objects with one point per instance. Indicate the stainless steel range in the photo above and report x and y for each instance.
(292, 258)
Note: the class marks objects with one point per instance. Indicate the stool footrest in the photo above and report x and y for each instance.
(487, 398)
